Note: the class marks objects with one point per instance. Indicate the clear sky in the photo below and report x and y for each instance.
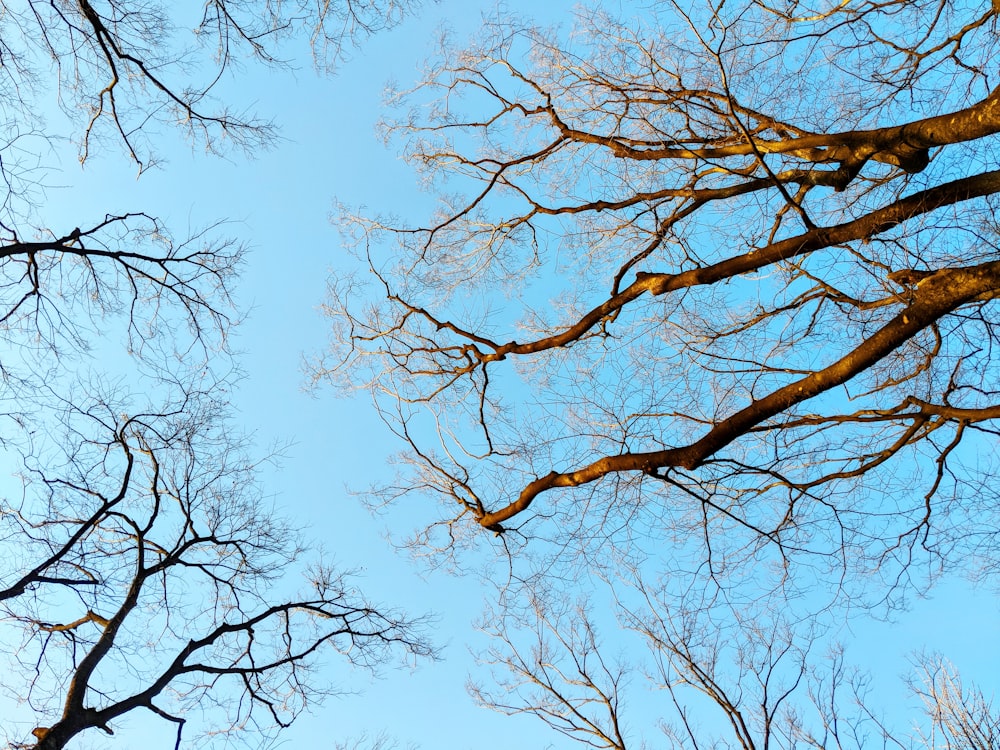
(280, 203)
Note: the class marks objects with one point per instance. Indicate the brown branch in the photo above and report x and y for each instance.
(905, 146)
(869, 225)
(937, 296)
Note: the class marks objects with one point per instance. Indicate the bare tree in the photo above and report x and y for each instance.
(723, 278)
(149, 574)
(122, 72)
(142, 567)
(122, 67)
(961, 717)
(548, 662)
(709, 300)
(688, 676)
(123, 269)
(719, 685)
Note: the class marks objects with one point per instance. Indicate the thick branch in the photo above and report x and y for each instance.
(905, 145)
(869, 225)
(937, 296)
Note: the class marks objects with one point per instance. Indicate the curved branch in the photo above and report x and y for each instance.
(939, 295)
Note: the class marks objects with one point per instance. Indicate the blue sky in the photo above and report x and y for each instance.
(280, 202)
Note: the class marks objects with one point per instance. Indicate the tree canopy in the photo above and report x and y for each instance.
(144, 567)
(697, 346)
(706, 314)
(150, 573)
(748, 260)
